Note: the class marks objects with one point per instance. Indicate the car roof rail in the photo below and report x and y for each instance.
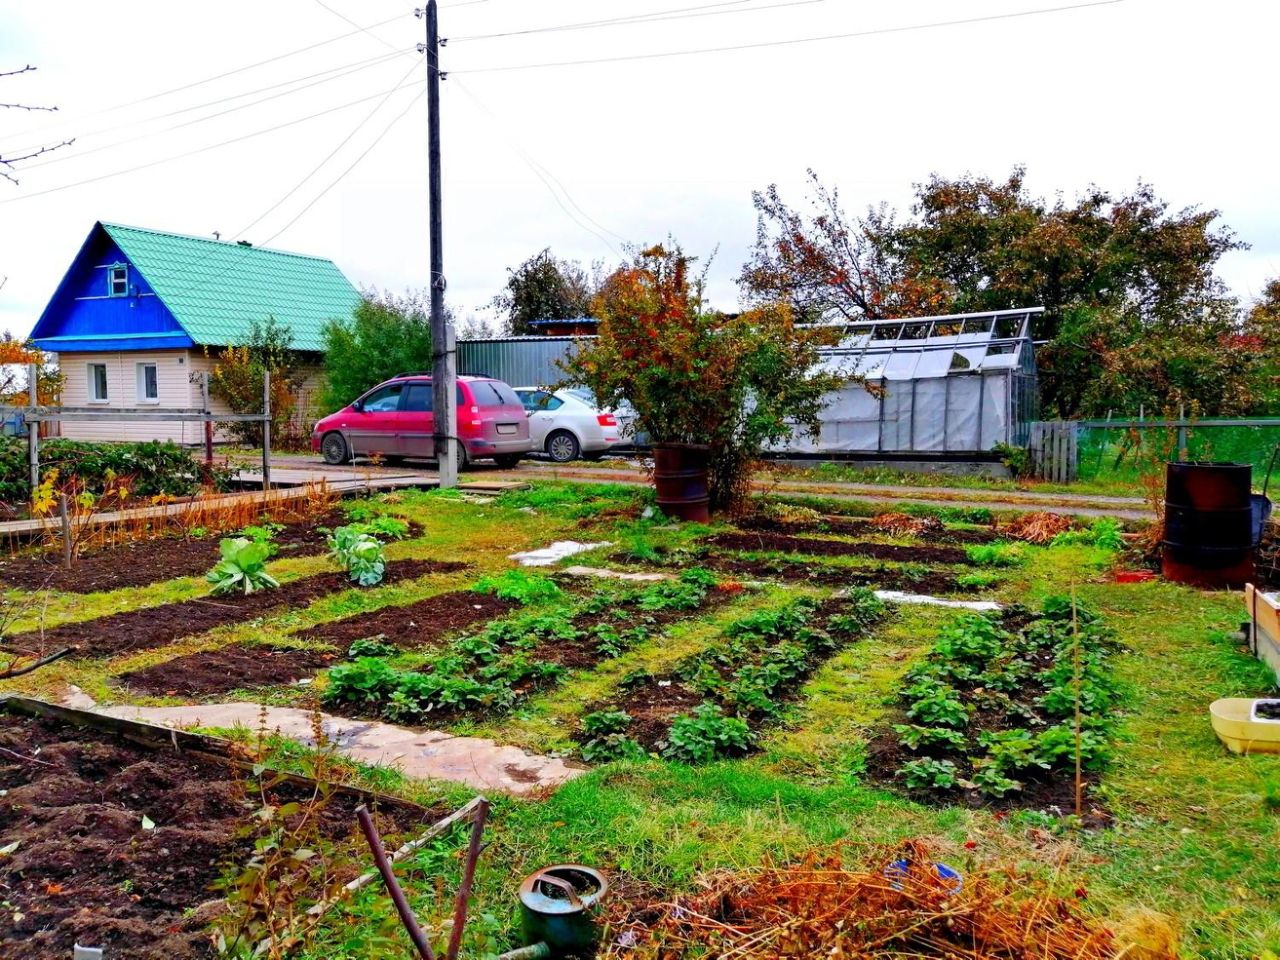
(413, 373)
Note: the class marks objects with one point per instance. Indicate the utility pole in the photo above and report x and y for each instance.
(444, 372)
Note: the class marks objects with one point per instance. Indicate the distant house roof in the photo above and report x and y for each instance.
(568, 321)
(216, 289)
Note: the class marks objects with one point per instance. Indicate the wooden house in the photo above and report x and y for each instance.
(140, 315)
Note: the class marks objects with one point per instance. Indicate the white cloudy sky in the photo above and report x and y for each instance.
(1177, 92)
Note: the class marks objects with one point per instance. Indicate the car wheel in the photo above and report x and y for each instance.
(562, 446)
(507, 460)
(334, 449)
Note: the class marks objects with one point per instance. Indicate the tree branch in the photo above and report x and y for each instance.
(13, 73)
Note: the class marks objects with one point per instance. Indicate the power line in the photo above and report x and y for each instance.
(657, 16)
(362, 65)
(219, 76)
(332, 153)
(792, 42)
(199, 150)
(542, 173)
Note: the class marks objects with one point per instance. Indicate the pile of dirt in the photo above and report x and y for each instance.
(120, 847)
(905, 525)
(415, 624)
(150, 627)
(231, 668)
(154, 561)
(821, 547)
(897, 903)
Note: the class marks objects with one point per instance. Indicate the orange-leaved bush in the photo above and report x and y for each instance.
(734, 382)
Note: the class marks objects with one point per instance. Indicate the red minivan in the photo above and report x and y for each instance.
(394, 420)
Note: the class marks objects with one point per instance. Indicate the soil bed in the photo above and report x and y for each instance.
(798, 571)
(815, 546)
(231, 668)
(415, 624)
(154, 561)
(853, 526)
(149, 627)
(118, 847)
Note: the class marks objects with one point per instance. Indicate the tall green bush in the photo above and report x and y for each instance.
(385, 335)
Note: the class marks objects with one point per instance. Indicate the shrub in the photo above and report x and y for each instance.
(998, 554)
(706, 735)
(371, 647)
(243, 567)
(360, 554)
(237, 380)
(929, 774)
(384, 336)
(605, 737)
(1104, 532)
(519, 586)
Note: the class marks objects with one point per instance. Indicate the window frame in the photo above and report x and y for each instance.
(93, 382)
(140, 382)
(123, 270)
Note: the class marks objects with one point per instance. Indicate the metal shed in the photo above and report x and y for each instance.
(948, 385)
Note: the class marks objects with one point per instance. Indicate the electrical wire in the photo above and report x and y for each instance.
(77, 154)
(657, 16)
(216, 76)
(881, 31)
(200, 150)
(546, 176)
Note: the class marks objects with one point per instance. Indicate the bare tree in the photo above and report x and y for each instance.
(9, 162)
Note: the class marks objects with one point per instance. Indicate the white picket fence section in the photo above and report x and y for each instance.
(1055, 455)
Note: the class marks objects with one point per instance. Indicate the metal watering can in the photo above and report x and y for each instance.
(559, 906)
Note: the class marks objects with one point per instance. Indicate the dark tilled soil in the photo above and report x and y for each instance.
(231, 668)
(153, 561)
(85, 870)
(416, 624)
(149, 627)
(819, 547)
(852, 526)
(796, 571)
(582, 653)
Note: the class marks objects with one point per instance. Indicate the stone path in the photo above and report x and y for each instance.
(426, 755)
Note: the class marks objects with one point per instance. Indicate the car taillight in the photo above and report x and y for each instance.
(606, 420)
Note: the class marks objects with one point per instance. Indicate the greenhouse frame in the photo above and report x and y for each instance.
(943, 387)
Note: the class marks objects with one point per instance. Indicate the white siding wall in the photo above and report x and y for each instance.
(173, 369)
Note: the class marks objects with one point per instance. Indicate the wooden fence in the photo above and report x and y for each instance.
(1054, 452)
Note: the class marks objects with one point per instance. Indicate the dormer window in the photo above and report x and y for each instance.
(118, 280)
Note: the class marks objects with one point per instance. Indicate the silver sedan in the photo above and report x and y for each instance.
(568, 424)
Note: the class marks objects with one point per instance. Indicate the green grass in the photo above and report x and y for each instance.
(1197, 832)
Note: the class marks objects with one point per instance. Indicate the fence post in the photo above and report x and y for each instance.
(33, 427)
(1182, 432)
(65, 516)
(208, 427)
(266, 430)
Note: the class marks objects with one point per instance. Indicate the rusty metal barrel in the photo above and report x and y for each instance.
(1208, 524)
(680, 475)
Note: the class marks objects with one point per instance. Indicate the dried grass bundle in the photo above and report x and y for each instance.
(819, 908)
(902, 525)
(1037, 527)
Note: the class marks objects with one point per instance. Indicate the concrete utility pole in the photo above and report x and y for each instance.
(444, 371)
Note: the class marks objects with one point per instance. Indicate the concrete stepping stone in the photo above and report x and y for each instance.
(421, 754)
(605, 574)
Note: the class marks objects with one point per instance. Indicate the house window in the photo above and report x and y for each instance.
(148, 385)
(98, 382)
(118, 280)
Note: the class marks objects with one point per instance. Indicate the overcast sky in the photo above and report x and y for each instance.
(580, 157)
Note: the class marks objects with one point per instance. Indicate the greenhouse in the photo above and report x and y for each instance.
(954, 384)
(948, 385)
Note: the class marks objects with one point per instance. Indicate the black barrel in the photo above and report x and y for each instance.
(1208, 523)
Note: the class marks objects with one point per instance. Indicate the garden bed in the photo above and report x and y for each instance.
(927, 580)
(119, 846)
(415, 624)
(988, 716)
(238, 667)
(154, 561)
(150, 627)
(715, 702)
(494, 669)
(854, 527)
(820, 547)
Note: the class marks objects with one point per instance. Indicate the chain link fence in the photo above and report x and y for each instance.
(1123, 451)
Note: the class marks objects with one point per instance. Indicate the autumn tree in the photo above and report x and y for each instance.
(735, 382)
(238, 379)
(16, 356)
(1261, 335)
(544, 288)
(1109, 269)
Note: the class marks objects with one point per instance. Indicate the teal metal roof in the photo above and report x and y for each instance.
(216, 289)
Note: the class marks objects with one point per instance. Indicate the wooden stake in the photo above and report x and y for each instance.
(1075, 656)
(66, 530)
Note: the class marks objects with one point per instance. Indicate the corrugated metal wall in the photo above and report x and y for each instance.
(519, 361)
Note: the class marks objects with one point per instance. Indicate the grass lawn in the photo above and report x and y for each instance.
(1195, 831)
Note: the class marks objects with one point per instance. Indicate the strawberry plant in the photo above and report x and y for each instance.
(371, 647)
(243, 567)
(706, 735)
(606, 739)
(914, 737)
(929, 774)
(519, 587)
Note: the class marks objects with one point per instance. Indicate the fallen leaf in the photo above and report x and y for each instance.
(8, 849)
(53, 889)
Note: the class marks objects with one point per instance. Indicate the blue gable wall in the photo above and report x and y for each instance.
(82, 317)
